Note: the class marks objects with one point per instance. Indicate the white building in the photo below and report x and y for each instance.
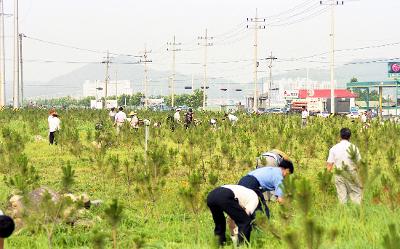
(97, 88)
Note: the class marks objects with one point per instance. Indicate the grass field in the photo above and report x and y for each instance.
(162, 193)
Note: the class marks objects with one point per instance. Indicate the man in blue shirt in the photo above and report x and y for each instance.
(267, 179)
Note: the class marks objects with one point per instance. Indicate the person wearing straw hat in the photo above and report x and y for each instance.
(134, 120)
(54, 126)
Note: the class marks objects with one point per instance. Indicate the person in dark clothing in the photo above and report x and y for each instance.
(267, 179)
(188, 118)
(7, 227)
(239, 203)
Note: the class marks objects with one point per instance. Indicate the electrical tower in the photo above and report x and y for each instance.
(333, 4)
(173, 48)
(145, 60)
(271, 59)
(205, 44)
(107, 77)
(257, 24)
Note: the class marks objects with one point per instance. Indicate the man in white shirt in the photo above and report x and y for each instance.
(177, 115)
(120, 118)
(236, 201)
(232, 118)
(348, 185)
(54, 126)
(304, 116)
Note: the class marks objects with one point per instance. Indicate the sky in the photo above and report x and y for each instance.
(294, 29)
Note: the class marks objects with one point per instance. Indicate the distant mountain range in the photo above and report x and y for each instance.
(71, 83)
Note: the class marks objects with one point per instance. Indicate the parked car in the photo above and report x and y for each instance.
(353, 115)
(323, 114)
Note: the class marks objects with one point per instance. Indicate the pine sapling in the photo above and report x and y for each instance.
(114, 215)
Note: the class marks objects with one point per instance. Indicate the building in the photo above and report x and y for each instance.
(96, 88)
(317, 100)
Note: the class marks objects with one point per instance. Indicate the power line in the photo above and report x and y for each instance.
(79, 48)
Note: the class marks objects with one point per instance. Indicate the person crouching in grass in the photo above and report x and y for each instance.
(236, 201)
(7, 227)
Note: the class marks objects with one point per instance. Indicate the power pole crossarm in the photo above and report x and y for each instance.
(259, 23)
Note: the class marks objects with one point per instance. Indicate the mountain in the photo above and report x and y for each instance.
(71, 83)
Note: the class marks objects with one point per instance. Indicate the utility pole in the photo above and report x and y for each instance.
(173, 48)
(21, 70)
(256, 20)
(145, 60)
(2, 58)
(271, 59)
(16, 58)
(332, 4)
(206, 44)
(107, 77)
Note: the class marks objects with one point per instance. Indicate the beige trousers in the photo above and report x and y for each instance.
(347, 189)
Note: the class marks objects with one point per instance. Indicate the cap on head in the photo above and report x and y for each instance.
(345, 133)
(286, 164)
(7, 226)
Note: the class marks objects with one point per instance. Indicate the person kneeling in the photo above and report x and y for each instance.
(236, 201)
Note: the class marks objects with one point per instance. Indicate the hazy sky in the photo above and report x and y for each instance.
(293, 30)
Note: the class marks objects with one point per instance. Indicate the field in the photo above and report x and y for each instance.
(162, 193)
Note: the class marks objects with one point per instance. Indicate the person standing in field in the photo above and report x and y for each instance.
(304, 116)
(177, 115)
(267, 179)
(239, 203)
(189, 118)
(54, 127)
(348, 185)
(7, 227)
(111, 114)
(120, 118)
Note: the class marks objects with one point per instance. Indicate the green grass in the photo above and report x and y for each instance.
(169, 223)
